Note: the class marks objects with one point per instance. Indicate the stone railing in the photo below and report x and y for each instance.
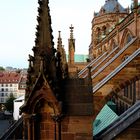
(114, 58)
(126, 21)
(108, 55)
(111, 34)
(91, 64)
(114, 72)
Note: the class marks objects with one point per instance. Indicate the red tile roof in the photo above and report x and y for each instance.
(23, 79)
(9, 77)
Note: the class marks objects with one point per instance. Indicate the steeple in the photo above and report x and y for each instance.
(43, 51)
(71, 31)
(59, 42)
(61, 57)
(71, 46)
(44, 31)
(60, 48)
(44, 46)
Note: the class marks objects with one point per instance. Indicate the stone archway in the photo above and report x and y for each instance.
(41, 123)
(113, 44)
(98, 34)
(126, 37)
(42, 107)
(44, 126)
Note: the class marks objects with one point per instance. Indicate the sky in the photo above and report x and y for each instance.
(18, 23)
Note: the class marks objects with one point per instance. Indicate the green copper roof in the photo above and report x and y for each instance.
(110, 103)
(103, 119)
(79, 58)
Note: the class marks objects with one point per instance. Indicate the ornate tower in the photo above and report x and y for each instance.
(43, 51)
(61, 54)
(51, 110)
(104, 22)
(71, 46)
(59, 42)
(42, 103)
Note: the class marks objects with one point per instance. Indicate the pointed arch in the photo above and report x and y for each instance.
(107, 28)
(126, 37)
(113, 44)
(41, 90)
(104, 30)
(46, 94)
(42, 108)
(98, 34)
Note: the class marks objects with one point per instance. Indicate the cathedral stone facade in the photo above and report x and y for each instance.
(59, 105)
(115, 71)
(98, 99)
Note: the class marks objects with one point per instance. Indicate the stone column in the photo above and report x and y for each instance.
(57, 121)
(137, 90)
(135, 10)
(26, 127)
(89, 79)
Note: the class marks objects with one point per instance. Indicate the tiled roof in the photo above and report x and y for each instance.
(104, 119)
(9, 77)
(121, 123)
(79, 57)
(110, 6)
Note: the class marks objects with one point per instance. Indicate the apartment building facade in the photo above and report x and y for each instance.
(11, 84)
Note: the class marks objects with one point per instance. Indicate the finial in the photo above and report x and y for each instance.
(59, 42)
(59, 32)
(71, 31)
(71, 27)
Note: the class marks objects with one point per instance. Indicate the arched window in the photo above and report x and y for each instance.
(128, 38)
(114, 45)
(104, 30)
(98, 34)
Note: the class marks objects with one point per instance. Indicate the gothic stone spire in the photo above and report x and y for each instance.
(71, 46)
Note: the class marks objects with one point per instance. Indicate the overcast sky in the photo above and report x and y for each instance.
(18, 22)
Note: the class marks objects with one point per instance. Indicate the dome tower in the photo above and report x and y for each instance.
(104, 21)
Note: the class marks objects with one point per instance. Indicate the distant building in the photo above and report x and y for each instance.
(11, 83)
(22, 84)
(17, 104)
